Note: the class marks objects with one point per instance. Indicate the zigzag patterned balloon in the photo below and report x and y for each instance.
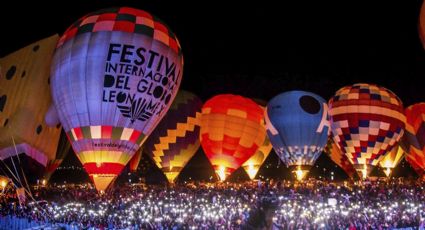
(176, 138)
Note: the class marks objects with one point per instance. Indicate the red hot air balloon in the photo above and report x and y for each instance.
(232, 129)
(115, 72)
(367, 121)
(414, 139)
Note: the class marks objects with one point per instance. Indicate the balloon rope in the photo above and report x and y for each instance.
(28, 192)
(13, 162)
(22, 170)
(10, 171)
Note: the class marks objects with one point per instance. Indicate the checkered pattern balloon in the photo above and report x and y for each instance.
(115, 73)
(414, 139)
(298, 126)
(232, 130)
(367, 121)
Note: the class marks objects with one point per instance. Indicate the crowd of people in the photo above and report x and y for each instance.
(312, 204)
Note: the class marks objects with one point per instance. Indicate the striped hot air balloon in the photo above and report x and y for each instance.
(414, 140)
(176, 138)
(232, 130)
(339, 158)
(115, 72)
(298, 127)
(367, 121)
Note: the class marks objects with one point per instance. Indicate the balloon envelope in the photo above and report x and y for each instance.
(367, 121)
(24, 101)
(298, 126)
(414, 139)
(421, 24)
(337, 156)
(135, 160)
(391, 159)
(61, 152)
(176, 138)
(232, 130)
(253, 164)
(115, 73)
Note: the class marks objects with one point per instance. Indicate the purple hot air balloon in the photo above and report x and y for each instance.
(115, 73)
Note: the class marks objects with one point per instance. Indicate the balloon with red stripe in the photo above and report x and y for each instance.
(232, 130)
(115, 73)
(367, 121)
(414, 139)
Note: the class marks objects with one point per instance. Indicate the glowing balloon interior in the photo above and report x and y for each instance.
(298, 126)
(367, 121)
(115, 73)
(232, 130)
(176, 138)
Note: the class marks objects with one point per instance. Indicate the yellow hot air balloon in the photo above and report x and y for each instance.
(25, 98)
(391, 159)
(253, 164)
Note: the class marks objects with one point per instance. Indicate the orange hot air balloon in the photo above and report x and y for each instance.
(135, 160)
(232, 130)
(339, 158)
(392, 159)
(414, 140)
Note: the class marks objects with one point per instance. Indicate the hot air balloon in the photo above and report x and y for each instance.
(418, 169)
(414, 140)
(298, 125)
(391, 159)
(115, 72)
(421, 24)
(232, 130)
(26, 143)
(339, 158)
(253, 164)
(135, 160)
(61, 152)
(176, 138)
(367, 121)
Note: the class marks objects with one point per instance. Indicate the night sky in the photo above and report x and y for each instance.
(258, 50)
